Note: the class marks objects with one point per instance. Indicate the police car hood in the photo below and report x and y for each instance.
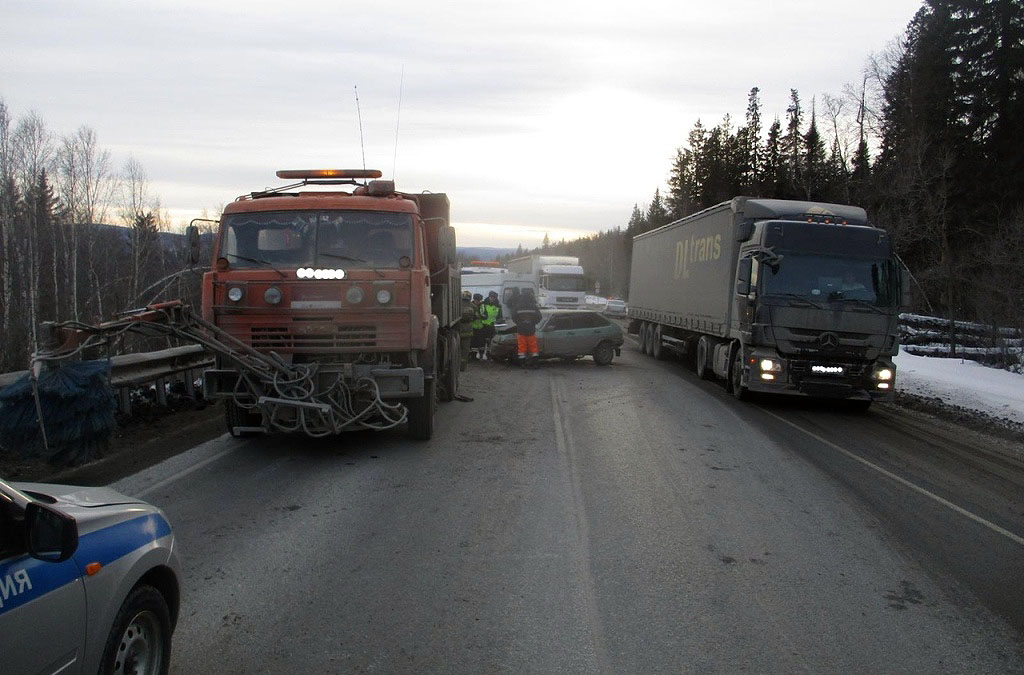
(76, 495)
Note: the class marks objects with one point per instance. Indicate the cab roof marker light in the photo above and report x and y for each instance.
(302, 174)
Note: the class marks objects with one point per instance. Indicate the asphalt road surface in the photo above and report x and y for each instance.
(579, 519)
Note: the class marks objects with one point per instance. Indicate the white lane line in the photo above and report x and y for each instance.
(903, 481)
(181, 474)
(566, 450)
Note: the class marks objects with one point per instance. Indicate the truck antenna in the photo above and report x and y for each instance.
(359, 115)
(398, 121)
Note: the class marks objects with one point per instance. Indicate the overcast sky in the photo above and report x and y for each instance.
(533, 116)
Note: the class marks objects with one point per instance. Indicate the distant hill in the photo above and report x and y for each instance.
(482, 252)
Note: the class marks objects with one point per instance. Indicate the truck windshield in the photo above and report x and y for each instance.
(562, 283)
(831, 278)
(345, 239)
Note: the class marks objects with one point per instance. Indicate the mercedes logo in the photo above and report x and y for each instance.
(828, 341)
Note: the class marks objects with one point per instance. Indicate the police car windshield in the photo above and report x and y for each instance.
(345, 239)
(831, 278)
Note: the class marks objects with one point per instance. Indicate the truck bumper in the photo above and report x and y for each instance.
(819, 378)
(392, 383)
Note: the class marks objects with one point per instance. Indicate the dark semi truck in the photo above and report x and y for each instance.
(774, 296)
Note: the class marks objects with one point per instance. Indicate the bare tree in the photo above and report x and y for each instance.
(33, 157)
(137, 212)
(85, 185)
(7, 203)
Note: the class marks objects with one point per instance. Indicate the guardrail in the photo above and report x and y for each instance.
(935, 336)
(129, 371)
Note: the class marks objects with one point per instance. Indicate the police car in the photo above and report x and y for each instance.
(89, 581)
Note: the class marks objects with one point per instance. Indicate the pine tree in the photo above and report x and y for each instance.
(657, 215)
(773, 174)
(792, 148)
(814, 162)
(748, 148)
(637, 222)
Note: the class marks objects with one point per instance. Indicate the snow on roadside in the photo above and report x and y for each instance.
(963, 383)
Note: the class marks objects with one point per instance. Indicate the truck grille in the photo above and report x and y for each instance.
(317, 337)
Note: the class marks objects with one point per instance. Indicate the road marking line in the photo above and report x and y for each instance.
(567, 452)
(903, 481)
(181, 474)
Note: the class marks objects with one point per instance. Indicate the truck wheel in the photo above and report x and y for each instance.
(421, 412)
(736, 376)
(658, 350)
(641, 337)
(140, 639)
(237, 416)
(860, 406)
(703, 370)
(604, 354)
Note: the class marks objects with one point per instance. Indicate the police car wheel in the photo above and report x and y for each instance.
(140, 640)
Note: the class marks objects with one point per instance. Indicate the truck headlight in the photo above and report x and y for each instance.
(354, 295)
(235, 293)
(884, 375)
(770, 366)
(383, 296)
(273, 295)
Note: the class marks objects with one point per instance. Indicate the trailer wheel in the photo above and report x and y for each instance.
(649, 344)
(736, 376)
(641, 337)
(658, 350)
(704, 371)
(421, 412)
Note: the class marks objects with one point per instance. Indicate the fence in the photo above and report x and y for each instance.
(934, 336)
(130, 371)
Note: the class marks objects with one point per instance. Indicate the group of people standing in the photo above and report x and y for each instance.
(479, 316)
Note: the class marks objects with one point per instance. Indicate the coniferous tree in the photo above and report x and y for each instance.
(773, 175)
(657, 214)
(814, 161)
(748, 148)
(792, 149)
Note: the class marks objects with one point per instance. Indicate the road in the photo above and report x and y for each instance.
(579, 519)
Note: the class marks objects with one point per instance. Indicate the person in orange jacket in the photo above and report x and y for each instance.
(526, 316)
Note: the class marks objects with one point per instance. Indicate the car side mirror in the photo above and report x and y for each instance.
(50, 535)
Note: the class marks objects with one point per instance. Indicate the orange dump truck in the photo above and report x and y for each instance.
(353, 292)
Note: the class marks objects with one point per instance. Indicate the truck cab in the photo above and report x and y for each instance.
(358, 285)
(562, 287)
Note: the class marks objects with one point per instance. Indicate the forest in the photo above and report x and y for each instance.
(930, 142)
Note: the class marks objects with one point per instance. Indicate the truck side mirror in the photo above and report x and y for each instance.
(50, 535)
(192, 242)
(743, 272)
(905, 296)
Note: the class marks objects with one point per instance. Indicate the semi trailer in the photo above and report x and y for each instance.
(774, 296)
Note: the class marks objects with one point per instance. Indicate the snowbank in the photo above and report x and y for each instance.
(970, 385)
